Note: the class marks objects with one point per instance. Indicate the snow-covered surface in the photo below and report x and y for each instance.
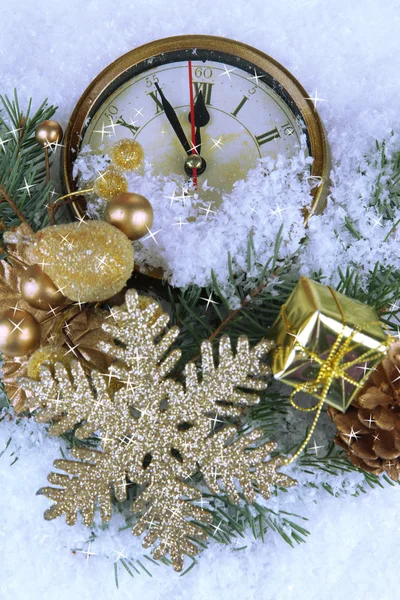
(348, 53)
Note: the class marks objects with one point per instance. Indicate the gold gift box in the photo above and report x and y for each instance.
(316, 319)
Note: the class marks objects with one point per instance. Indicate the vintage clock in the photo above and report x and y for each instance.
(245, 106)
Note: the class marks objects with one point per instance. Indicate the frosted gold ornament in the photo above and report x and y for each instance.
(48, 132)
(109, 184)
(50, 355)
(130, 213)
(127, 155)
(19, 332)
(89, 261)
(39, 291)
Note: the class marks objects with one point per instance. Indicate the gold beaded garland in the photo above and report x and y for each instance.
(19, 332)
(127, 155)
(110, 183)
(48, 132)
(38, 289)
(130, 213)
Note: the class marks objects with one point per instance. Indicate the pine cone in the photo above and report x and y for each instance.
(369, 431)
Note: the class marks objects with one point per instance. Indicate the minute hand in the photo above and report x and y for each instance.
(174, 121)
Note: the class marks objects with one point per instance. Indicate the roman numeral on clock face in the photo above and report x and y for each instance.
(159, 106)
(205, 88)
(239, 106)
(264, 138)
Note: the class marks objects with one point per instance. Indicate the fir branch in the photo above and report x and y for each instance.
(259, 298)
(381, 292)
(23, 187)
(231, 522)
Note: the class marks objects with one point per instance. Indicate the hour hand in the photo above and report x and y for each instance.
(201, 114)
(174, 121)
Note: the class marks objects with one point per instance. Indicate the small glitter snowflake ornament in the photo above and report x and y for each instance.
(156, 432)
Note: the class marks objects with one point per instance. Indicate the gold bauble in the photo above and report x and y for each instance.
(38, 289)
(110, 183)
(127, 155)
(89, 261)
(48, 132)
(130, 213)
(49, 355)
(19, 332)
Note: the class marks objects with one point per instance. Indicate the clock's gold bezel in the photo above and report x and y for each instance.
(115, 71)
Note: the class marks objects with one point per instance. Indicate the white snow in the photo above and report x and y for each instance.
(348, 53)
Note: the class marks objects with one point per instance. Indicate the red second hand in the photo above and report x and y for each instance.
(194, 150)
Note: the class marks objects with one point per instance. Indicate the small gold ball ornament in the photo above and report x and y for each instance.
(39, 291)
(19, 332)
(110, 183)
(127, 155)
(48, 132)
(130, 213)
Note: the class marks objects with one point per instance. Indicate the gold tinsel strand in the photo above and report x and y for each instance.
(154, 431)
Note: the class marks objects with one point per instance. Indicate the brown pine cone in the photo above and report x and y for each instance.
(369, 431)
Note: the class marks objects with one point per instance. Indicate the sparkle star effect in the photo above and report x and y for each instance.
(315, 448)
(103, 131)
(217, 143)
(208, 210)
(71, 349)
(353, 435)
(278, 211)
(138, 112)
(397, 378)
(365, 368)
(14, 132)
(171, 198)
(27, 187)
(120, 554)
(209, 300)
(16, 325)
(87, 552)
(314, 99)
(2, 143)
(227, 72)
(180, 223)
(370, 421)
(15, 308)
(256, 77)
(377, 222)
(102, 261)
(152, 235)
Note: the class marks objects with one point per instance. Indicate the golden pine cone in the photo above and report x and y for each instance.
(369, 431)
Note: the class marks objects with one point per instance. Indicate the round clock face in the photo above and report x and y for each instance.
(245, 107)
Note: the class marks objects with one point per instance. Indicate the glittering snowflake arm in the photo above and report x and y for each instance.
(222, 388)
(144, 343)
(90, 479)
(69, 392)
(166, 519)
(222, 461)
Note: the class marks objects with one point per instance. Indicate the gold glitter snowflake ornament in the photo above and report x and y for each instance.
(156, 432)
